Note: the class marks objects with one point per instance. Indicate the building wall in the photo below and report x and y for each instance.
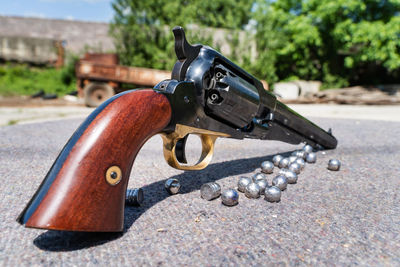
(77, 35)
(28, 49)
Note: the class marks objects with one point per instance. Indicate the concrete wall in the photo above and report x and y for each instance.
(77, 34)
(28, 49)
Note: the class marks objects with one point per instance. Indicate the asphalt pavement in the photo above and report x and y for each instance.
(350, 217)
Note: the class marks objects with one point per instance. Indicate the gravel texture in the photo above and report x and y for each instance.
(350, 217)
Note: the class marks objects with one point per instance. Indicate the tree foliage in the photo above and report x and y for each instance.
(340, 42)
(143, 28)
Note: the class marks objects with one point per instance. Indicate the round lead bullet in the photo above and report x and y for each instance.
(134, 197)
(210, 191)
(267, 167)
(311, 157)
(291, 176)
(252, 190)
(292, 159)
(300, 154)
(280, 181)
(259, 176)
(243, 182)
(301, 162)
(262, 184)
(230, 197)
(272, 194)
(308, 148)
(284, 163)
(295, 167)
(334, 165)
(172, 186)
(276, 159)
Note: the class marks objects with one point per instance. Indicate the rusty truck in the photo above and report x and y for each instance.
(99, 77)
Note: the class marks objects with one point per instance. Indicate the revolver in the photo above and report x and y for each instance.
(207, 95)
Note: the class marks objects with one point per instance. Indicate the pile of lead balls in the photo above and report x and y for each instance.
(252, 187)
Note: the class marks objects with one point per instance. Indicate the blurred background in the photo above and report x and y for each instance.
(77, 53)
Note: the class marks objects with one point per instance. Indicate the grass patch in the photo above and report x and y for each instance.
(20, 79)
(12, 122)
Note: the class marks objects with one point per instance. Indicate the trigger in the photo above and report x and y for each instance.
(180, 149)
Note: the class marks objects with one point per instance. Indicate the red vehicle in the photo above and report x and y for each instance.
(99, 77)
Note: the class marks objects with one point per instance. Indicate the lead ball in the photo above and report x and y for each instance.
(276, 159)
(243, 182)
(283, 171)
(311, 157)
(292, 159)
(280, 181)
(267, 167)
(262, 184)
(300, 154)
(334, 165)
(259, 176)
(301, 162)
(272, 194)
(230, 197)
(284, 163)
(295, 167)
(210, 191)
(172, 186)
(308, 148)
(291, 177)
(252, 190)
(134, 197)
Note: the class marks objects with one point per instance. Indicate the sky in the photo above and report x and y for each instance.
(87, 10)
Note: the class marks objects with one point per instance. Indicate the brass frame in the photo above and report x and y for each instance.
(207, 138)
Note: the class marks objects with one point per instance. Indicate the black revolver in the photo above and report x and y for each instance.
(207, 95)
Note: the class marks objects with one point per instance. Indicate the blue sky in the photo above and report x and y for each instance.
(88, 10)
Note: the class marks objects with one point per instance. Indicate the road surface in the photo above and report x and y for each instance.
(350, 217)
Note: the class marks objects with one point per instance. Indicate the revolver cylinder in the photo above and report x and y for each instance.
(231, 98)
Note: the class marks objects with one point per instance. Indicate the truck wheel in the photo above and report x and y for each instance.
(95, 93)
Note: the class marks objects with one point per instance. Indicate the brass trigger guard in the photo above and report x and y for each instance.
(207, 138)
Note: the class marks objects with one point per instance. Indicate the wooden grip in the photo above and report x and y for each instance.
(85, 188)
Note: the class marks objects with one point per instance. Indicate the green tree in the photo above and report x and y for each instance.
(142, 29)
(339, 42)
